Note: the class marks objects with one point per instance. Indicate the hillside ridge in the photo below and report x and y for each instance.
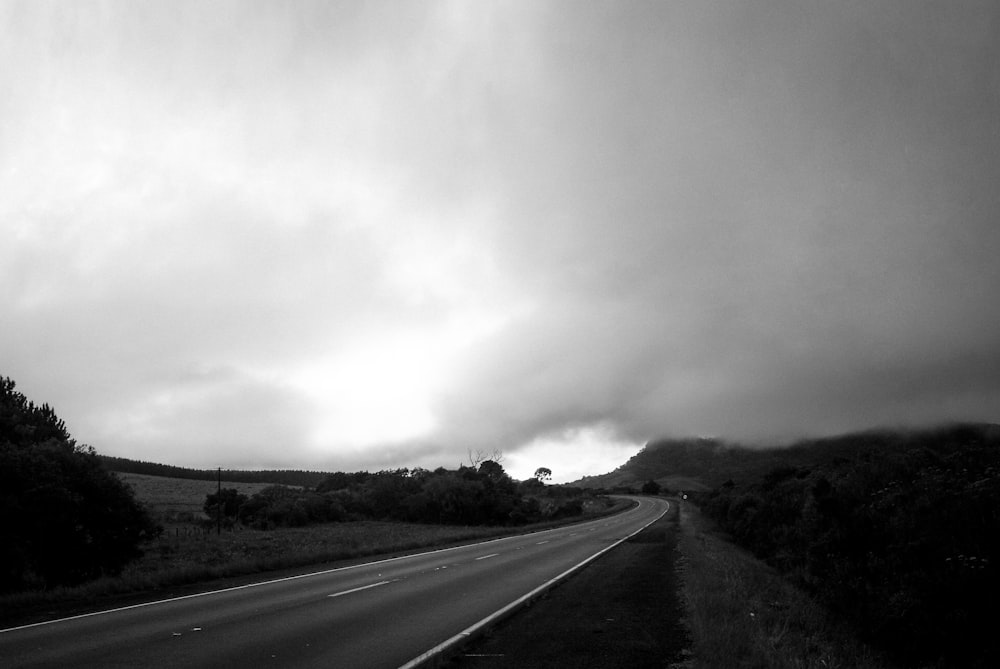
(701, 464)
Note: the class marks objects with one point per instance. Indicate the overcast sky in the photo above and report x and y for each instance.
(341, 236)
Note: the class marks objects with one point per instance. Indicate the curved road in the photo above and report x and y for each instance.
(378, 614)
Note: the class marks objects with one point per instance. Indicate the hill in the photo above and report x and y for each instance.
(703, 464)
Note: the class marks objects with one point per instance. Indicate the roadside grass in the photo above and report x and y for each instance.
(740, 613)
(193, 556)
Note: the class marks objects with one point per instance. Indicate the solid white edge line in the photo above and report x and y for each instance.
(276, 580)
(469, 631)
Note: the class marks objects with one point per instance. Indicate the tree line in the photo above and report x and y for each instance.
(902, 539)
(288, 477)
(482, 494)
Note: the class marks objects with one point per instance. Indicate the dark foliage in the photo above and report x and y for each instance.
(280, 506)
(66, 519)
(483, 495)
(902, 538)
(225, 503)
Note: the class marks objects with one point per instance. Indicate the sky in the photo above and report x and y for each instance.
(369, 235)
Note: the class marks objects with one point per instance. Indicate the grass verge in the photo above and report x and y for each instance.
(186, 556)
(740, 613)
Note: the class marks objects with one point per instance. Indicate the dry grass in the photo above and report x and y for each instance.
(741, 614)
(171, 499)
(242, 551)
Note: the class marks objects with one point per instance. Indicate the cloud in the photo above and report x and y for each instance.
(213, 417)
(381, 236)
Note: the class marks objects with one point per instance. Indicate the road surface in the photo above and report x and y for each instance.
(378, 614)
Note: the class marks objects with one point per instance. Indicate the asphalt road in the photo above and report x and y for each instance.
(378, 614)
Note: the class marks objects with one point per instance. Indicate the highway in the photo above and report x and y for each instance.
(386, 613)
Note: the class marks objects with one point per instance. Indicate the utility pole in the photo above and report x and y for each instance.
(218, 507)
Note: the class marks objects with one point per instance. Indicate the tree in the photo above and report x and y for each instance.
(543, 474)
(495, 476)
(651, 488)
(66, 518)
(478, 457)
(230, 499)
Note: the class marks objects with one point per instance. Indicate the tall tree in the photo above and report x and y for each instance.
(66, 519)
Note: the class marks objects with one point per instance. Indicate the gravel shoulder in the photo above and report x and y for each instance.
(621, 610)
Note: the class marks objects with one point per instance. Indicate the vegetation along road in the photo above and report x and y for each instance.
(380, 614)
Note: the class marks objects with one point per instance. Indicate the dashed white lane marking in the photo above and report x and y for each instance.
(487, 557)
(363, 587)
(541, 542)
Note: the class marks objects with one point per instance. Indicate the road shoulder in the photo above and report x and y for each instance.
(620, 610)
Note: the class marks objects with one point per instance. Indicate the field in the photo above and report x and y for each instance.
(179, 500)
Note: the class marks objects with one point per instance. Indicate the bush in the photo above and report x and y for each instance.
(281, 506)
(651, 488)
(230, 499)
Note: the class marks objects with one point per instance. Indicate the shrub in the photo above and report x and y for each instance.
(230, 500)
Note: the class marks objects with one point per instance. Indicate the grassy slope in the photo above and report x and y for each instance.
(741, 613)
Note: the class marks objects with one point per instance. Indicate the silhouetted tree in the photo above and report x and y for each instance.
(66, 519)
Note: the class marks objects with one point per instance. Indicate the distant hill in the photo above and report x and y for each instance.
(304, 479)
(703, 464)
